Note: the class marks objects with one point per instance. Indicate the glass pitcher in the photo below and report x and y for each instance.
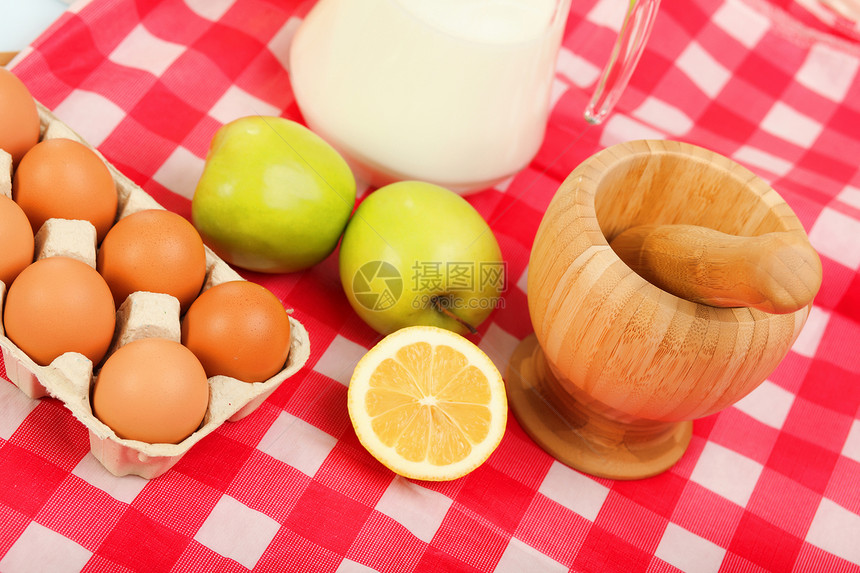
(454, 92)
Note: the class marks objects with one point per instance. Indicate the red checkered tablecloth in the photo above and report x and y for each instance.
(770, 484)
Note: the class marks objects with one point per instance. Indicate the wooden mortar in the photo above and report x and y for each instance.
(617, 368)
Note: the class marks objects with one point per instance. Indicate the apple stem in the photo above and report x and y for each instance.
(439, 305)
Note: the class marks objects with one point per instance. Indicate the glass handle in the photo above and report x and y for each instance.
(625, 55)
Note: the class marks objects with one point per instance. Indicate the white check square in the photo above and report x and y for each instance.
(762, 159)
(141, 50)
(664, 116)
(851, 448)
(350, 566)
(769, 404)
(689, 552)
(297, 443)
(810, 337)
(238, 532)
(416, 508)
(94, 116)
(577, 70)
(210, 9)
(575, 491)
(835, 235)
(727, 473)
(828, 72)
(15, 406)
(180, 172)
(789, 124)
(29, 553)
(236, 103)
(703, 70)
(339, 359)
(741, 22)
(123, 489)
(836, 530)
(620, 128)
(850, 196)
(498, 345)
(519, 557)
(607, 13)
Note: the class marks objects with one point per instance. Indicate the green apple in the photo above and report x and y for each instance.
(273, 197)
(415, 253)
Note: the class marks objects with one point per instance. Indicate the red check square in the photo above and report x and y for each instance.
(707, 514)
(143, 544)
(814, 473)
(843, 487)
(465, 538)
(832, 387)
(659, 494)
(162, 23)
(604, 551)
(81, 512)
(438, 560)
(198, 557)
(166, 114)
(385, 545)
(252, 486)
(289, 551)
(230, 49)
(177, 501)
(214, 461)
(327, 518)
(497, 496)
(258, 19)
(639, 525)
(20, 466)
(54, 422)
(725, 119)
(764, 544)
(352, 472)
(553, 529)
(769, 503)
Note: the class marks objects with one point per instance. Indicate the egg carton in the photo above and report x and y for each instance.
(70, 377)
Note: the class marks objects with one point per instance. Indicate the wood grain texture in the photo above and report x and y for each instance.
(635, 353)
(775, 272)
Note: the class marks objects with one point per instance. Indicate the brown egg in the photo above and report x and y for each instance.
(59, 305)
(238, 329)
(16, 238)
(65, 179)
(153, 390)
(19, 117)
(153, 250)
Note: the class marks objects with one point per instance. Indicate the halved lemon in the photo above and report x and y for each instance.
(427, 403)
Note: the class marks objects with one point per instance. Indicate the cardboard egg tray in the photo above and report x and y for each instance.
(70, 377)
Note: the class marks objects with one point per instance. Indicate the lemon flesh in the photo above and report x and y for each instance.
(428, 403)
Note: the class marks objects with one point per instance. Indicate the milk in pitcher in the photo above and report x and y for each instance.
(454, 92)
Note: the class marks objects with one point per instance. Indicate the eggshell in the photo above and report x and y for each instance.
(62, 178)
(17, 243)
(153, 250)
(238, 329)
(19, 116)
(58, 305)
(69, 377)
(153, 390)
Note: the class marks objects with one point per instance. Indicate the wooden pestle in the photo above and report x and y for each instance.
(775, 272)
